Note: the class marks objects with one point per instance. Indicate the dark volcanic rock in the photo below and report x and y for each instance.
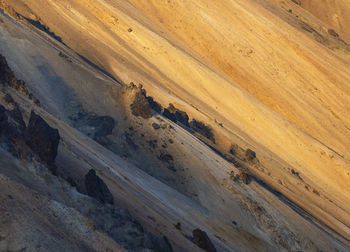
(201, 239)
(154, 105)
(140, 105)
(202, 129)
(169, 115)
(96, 188)
(12, 132)
(176, 115)
(182, 117)
(42, 139)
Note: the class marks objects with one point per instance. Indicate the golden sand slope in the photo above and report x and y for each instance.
(239, 63)
(335, 13)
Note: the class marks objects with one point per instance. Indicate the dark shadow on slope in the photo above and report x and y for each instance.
(43, 28)
(98, 68)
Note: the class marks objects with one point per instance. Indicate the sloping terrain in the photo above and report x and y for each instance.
(253, 149)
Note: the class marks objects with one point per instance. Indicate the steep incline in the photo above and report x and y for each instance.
(259, 75)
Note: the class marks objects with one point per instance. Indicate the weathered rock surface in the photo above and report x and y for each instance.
(42, 139)
(8, 78)
(201, 239)
(176, 115)
(141, 106)
(154, 105)
(12, 129)
(96, 188)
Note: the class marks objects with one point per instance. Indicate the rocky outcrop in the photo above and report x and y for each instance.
(141, 106)
(38, 140)
(201, 239)
(96, 188)
(42, 139)
(202, 129)
(8, 78)
(12, 132)
(176, 115)
(154, 105)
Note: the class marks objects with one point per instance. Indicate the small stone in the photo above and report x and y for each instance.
(155, 126)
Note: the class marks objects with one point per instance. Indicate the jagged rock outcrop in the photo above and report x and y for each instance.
(154, 105)
(8, 78)
(141, 106)
(12, 134)
(201, 239)
(42, 139)
(176, 115)
(96, 188)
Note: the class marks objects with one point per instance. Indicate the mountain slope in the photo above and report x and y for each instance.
(247, 70)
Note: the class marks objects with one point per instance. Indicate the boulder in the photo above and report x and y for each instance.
(155, 126)
(42, 139)
(96, 188)
(201, 239)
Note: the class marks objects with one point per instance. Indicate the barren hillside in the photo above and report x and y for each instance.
(227, 117)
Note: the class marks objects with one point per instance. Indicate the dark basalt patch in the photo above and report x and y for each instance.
(176, 115)
(94, 126)
(12, 132)
(201, 239)
(96, 188)
(154, 105)
(202, 129)
(165, 157)
(42, 139)
(38, 140)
